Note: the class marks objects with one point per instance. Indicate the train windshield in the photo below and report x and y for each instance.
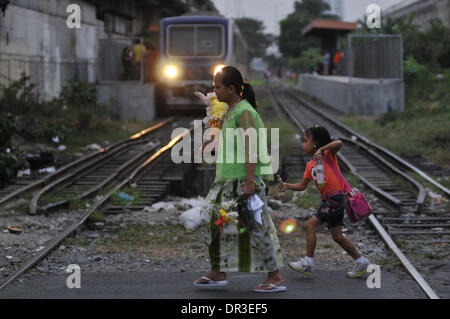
(196, 40)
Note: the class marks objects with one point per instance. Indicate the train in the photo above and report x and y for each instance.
(192, 49)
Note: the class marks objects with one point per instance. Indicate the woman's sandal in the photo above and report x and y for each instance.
(211, 283)
(274, 288)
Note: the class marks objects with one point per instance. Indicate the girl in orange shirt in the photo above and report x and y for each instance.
(317, 142)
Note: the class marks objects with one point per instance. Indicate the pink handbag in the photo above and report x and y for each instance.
(356, 204)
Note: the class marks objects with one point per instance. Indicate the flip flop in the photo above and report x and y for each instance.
(275, 288)
(211, 283)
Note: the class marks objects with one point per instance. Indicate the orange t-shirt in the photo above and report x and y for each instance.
(332, 182)
(337, 57)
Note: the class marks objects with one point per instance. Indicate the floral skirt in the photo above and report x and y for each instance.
(231, 250)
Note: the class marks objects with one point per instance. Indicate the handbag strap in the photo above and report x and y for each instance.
(338, 174)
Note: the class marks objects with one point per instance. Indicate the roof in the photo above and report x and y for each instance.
(330, 25)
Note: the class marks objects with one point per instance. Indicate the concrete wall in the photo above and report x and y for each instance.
(361, 96)
(128, 100)
(35, 39)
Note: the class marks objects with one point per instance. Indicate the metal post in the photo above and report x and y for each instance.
(401, 57)
(141, 40)
(350, 74)
(380, 76)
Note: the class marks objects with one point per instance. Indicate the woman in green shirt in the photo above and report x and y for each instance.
(230, 249)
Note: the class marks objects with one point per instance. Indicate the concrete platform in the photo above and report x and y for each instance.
(323, 284)
(356, 95)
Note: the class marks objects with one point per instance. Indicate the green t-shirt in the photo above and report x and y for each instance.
(243, 139)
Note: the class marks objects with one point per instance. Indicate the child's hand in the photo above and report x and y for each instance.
(282, 187)
(318, 154)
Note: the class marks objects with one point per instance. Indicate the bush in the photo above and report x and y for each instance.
(19, 97)
(9, 125)
(80, 94)
(419, 81)
(57, 130)
(302, 64)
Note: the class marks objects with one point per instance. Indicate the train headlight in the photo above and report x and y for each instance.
(218, 67)
(170, 71)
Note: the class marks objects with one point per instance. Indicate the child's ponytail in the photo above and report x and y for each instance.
(320, 136)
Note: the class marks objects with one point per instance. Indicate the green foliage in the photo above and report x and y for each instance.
(9, 162)
(291, 41)
(9, 125)
(57, 129)
(252, 32)
(95, 216)
(303, 63)
(80, 94)
(23, 113)
(19, 96)
(421, 129)
(9, 165)
(418, 79)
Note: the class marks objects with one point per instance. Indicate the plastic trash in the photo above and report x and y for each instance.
(24, 172)
(436, 199)
(47, 170)
(125, 196)
(192, 218)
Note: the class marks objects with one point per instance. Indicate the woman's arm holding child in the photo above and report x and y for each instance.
(334, 147)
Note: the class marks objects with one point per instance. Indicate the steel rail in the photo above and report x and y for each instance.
(80, 161)
(106, 181)
(387, 238)
(421, 195)
(58, 239)
(74, 172)
(376, 146)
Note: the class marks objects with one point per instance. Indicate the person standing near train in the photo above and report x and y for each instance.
(139, 52)
(258, 249)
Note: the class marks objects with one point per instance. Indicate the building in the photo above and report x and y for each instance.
(36, 39)
(40, 40)
(422, 10)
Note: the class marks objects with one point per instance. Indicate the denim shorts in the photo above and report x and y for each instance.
(332, 210)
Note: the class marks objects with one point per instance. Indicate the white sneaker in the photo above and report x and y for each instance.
(359, 269)
(302, 266)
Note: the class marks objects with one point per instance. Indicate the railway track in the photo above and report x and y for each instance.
(407, 216)
(141, 163)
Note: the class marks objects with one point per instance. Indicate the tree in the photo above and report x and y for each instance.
(252, 32)
(291, 41)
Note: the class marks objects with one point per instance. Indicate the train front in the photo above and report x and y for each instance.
(192, 49)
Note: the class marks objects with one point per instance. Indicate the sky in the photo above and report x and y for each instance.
(272, 11)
